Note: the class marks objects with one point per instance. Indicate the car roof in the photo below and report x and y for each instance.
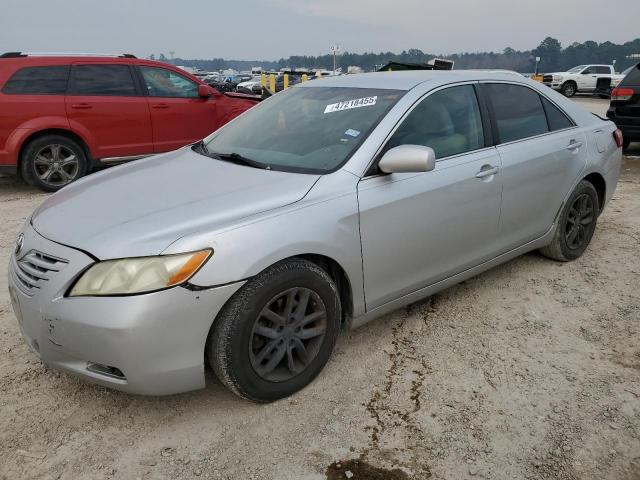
(406, 80)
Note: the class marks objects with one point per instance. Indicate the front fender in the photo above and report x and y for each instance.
(327, 227)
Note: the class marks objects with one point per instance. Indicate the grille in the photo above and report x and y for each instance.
(35, 269)
(547, 78)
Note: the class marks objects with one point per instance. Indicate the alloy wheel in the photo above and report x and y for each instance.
(580, 217)
(56, 165)
(287, 334)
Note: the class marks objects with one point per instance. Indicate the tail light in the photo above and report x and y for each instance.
(617, 136)
(622, 94)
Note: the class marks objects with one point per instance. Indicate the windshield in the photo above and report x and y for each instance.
(577, 69)
(308, 130)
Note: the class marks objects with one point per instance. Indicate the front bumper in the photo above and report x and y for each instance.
(554, 85)
(153, 342)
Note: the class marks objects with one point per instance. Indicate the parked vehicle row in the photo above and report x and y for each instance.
(60, 116)
(251, 250)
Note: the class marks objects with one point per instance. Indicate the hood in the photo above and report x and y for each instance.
(140, 208)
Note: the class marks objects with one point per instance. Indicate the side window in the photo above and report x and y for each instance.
(161, 82)
(557, 120)
(38, 80)
(448, 121)
(518, 111)
(102, 80)
(589, 70)
(604, 70)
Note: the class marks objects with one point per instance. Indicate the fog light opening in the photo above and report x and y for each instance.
(106, 370)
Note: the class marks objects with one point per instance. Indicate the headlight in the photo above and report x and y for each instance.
(557, 78)
(138, 275)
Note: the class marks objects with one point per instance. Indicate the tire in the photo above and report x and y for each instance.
(569, 89)
(572, 235)
(42, 167)
(236, 345)
(626, 141)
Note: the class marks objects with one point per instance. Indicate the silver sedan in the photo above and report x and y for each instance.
(324, 207)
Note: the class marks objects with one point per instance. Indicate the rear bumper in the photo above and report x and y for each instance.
(155, 341)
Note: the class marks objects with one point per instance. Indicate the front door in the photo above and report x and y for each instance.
(420, 228)
(179, 115)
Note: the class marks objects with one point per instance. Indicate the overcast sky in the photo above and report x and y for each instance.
(271, 29)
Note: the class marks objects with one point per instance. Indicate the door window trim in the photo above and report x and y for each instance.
(370, 171)
(72, 80)
(496, 138)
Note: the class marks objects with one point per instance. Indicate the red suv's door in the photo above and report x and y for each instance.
(179, 116)
(105, 106)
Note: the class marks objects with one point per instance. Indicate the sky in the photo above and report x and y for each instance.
(273, 29)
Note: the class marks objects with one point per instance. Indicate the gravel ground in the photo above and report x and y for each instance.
(530, 370)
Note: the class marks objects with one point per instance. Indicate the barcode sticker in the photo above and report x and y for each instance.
(348, 104)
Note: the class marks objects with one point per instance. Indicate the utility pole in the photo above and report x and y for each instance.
(334, 49)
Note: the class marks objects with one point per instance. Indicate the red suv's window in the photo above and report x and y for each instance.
(161, 82)
(51, 80)
(102, 80)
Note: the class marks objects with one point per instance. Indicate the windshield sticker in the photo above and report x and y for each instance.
(352, 133)
(348, 104)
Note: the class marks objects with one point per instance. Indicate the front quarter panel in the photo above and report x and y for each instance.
(324, 223)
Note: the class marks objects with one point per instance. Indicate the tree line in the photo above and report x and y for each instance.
(553, 57)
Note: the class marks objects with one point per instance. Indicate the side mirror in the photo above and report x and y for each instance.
(407, 159)
(204, 91)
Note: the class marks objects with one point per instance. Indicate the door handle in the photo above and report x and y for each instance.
(574, 145)
(160, 105)
(81, 106)
(487, 171)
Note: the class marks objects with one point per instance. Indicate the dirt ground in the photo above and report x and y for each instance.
(531, 370)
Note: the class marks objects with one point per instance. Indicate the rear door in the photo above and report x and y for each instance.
(542, 152)
(178, 114)
(105, 106)
(419, 228)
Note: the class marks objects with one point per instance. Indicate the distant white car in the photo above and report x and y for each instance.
(581, 79)
(252, 85)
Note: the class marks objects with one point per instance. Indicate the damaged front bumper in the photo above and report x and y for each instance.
(146, 344)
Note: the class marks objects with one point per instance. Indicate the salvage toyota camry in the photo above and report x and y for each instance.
(324, 207)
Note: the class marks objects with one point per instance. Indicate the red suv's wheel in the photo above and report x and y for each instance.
(53, 161)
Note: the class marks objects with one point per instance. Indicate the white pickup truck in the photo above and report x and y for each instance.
(583, 79)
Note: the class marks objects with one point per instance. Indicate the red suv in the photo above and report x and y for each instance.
(61, 116)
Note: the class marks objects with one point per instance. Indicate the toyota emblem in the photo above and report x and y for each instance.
(19, 242)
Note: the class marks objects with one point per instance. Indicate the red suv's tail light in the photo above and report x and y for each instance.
(622, 94)
(617, 136)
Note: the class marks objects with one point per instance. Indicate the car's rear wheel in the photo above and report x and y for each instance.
(277, 332)
(52, 161)
(576, 224)
(569, 89)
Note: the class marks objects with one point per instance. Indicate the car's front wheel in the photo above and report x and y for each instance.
(277, 332)
(569, 89)
(53, 161)
(576, 224)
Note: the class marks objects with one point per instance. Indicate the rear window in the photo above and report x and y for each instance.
(556, 118)
(518, 111)
(633, 77)
(102, 80)
(50, 80)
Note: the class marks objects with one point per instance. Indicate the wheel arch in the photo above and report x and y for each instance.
(599, 183)
(54, 131)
